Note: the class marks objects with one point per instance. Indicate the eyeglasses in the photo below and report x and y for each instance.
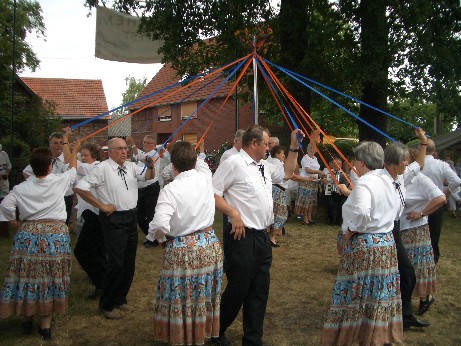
(120, 148)
(151, 143)
(57, 143)
(261, 141)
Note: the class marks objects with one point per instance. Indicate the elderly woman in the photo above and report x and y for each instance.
(306, 201)
(277, 157)
(366, 305)
(422, 198)
(189, 287)
(38, 275)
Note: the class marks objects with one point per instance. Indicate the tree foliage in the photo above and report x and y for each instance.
(32, 120)
(386, 53)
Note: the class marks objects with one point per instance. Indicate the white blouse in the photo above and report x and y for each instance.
(185, 205)
(309, 162)
(39, 199)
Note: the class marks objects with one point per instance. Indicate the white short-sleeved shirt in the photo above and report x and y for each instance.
(185, 205)
(438, 171)
(239, 181)
(277, 162)
(228, 153)
(39, 199)
(372, 205)
(420, 191)
(309, 162)
(110, 186)
(141, 158)
(84, 169)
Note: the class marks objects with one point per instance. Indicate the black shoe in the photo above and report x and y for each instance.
(221, 341)
(95, 294)
(148, 243)
(274, 244)
(283, 231)
(412, 321)
(27, 327)
(45, 333)
(424, 305)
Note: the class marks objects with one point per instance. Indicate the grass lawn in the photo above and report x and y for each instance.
(302, 276)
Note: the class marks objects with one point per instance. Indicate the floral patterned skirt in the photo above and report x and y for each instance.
(417, 242)
(307, 196)
(366, 307)
(38, 276)
(188, 295)
(280, 207)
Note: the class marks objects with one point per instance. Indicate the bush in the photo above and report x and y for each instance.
(20, 149)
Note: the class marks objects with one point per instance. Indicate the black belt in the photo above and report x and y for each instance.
(280, 187)
(145, 187)
(129, 211)
(248, 229)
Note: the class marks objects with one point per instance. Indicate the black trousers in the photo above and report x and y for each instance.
(407, 273)
(90, 250)
(246, 263)
(435, 228)
(147, 200)
(120, 239)
(335, 203)
(69, 200)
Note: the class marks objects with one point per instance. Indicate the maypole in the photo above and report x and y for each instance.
(255, 81)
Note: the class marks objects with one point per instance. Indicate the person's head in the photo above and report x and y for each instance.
(336, 163)
(368, 156)
(273, 141)
(413, 154)
(255, 141)
(396, 157)
(89, 152)
(56, 143)
(430, 148)
(40, 161)
(118, 150)
(148, 143)
(183, 156)
(310, 150)
(238, 139)
(278, 152)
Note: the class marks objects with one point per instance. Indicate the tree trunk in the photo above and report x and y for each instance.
(376, 62)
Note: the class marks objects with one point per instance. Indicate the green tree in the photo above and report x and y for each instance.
(32, 120)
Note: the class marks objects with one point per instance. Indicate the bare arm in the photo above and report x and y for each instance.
(291, 160)
(70, 157)
(130, 143)
(422, 147)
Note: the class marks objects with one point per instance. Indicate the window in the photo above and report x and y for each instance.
(190, 137)
(187, 109)
(164, 113)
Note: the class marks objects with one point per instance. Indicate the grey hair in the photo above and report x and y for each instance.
(238, 135)
(55, 135)
(395, 153)
(275, 140)
(371, 154)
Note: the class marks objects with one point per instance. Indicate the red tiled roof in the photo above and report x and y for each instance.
(73, 98)
(166, 77)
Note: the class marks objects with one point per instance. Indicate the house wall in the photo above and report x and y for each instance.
(222, 130)
(88, 129)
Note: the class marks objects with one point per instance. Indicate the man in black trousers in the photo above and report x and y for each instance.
(243, 191)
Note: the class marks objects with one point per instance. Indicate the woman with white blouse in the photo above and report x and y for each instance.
(189, 287)
(306, 200)
(38, 275)
(366, 307)
(422, 198)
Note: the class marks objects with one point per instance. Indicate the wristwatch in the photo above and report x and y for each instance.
(297, 150)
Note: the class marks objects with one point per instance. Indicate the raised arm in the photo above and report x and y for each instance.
(291, 160)
(422, 147)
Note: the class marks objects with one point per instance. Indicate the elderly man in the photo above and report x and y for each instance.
(235, 149)
(148, 190)
(56, 143)
(115, 183)
(439, 171)
(243, 191)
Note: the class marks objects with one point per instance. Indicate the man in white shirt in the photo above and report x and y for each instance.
(115, 183)
(148, 190)
(438, 171)
(56, 143)
(235, 149)
(243, 191)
